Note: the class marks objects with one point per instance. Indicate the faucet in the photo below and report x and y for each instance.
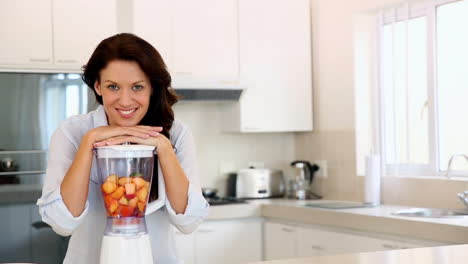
(463, 196)
(450, 163)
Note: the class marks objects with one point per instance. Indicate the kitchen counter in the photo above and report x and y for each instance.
(436, 255)
(374, 219)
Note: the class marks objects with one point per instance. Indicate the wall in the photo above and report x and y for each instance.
(334, 136)
(219, 152)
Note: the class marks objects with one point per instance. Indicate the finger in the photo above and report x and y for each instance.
(129, 139)
(152, 128)
(139, 132)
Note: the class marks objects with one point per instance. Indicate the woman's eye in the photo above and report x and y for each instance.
(113, 87)
(137, 87)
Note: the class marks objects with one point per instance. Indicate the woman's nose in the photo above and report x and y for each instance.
(126, 97)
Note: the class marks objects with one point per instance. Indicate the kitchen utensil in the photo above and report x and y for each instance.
(125, 176)
(254, 183)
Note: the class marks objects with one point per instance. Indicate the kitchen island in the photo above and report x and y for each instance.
(433, 255)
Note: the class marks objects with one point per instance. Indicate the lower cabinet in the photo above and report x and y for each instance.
(289, 241)
(228, 242)
(25, 238)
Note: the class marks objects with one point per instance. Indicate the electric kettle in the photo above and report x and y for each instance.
(303, 176)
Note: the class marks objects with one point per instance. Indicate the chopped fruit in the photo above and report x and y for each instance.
(124, 180)
(117, 194)
(123, 201)
(129, 188)
(112, 178)
(109, 187)
(126, 211)
(141, 206)
(136, 174)
(140, 182)
(133, 202)
(111, 203)
(130, 196)
(142, 194)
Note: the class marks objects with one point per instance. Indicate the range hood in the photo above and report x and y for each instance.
(207, 89)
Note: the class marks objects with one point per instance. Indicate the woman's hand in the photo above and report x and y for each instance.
(161, 142)
(101, 134)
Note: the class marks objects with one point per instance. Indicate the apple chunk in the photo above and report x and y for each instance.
(130, 188)
(109, 187)
(142, 194)
(117, 194)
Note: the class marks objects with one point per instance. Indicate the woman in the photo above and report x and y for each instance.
(132, 84)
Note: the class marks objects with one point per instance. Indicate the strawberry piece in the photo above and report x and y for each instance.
(126, 211)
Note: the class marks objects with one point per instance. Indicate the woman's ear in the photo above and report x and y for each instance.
(97, 87)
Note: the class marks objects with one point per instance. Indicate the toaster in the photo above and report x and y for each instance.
(255, 183)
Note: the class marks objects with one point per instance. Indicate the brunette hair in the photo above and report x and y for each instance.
(129, 47)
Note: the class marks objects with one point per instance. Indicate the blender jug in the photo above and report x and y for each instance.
(125, 174)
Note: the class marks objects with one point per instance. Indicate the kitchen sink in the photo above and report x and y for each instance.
(431, 213)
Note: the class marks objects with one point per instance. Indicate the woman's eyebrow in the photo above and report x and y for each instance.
(138, 82)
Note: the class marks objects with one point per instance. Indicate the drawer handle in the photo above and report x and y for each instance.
(205, 231)
(38, 60)
(66, 61)
(317, 247)
(389, 246)
(289, 230)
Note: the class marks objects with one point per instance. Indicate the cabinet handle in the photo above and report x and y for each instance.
(317, 247)
(250, 128)
(38, 60)
(289, 230)
(389, 246)
(205, 231)
(66, 61)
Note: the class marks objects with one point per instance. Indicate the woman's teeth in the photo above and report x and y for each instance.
(127, 112)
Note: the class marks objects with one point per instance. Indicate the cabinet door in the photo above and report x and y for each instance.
(275, 62)
(152, 21)
(25, 32)
(47, 246)
(279, 241)
(78, 28)
(205, 38)
(15, 230)
(228, 242)
(185, 244)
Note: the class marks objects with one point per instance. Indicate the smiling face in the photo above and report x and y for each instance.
(125, 91)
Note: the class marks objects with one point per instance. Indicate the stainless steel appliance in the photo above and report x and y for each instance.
(254, 183)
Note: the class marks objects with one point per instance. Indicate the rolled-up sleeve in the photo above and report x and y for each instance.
(51, 206)
(197, 207)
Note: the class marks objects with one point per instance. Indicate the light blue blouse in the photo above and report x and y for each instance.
(87, 229)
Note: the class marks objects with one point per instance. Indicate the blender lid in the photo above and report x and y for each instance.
(125, 151)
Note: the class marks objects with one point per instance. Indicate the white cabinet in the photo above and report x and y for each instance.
(25, 32)
(195, 38)
(228, 242)
(79, 26)
(53, 34)
(275, 63)
(289, 241)
(279, 241)
(185, 244)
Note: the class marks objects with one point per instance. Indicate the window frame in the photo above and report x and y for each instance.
(392, 16)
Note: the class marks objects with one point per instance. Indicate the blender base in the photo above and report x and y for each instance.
(126, 250)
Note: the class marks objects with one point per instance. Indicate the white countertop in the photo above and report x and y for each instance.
(457, 254)
(375, 219)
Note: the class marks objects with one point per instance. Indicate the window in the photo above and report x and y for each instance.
(422, 96)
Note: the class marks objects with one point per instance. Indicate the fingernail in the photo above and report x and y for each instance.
(154, 133)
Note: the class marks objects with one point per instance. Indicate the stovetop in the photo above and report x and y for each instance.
(216, 200)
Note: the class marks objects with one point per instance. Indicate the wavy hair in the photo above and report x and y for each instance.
(129, 47)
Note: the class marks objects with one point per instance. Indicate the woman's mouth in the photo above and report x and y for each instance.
(127, 113)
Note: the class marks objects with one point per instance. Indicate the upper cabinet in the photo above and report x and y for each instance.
(196, 38)
(52, 34)
(275, 62)
(79, 26)
(26, 32)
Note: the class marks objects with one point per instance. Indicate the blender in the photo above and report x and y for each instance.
(125, 175)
